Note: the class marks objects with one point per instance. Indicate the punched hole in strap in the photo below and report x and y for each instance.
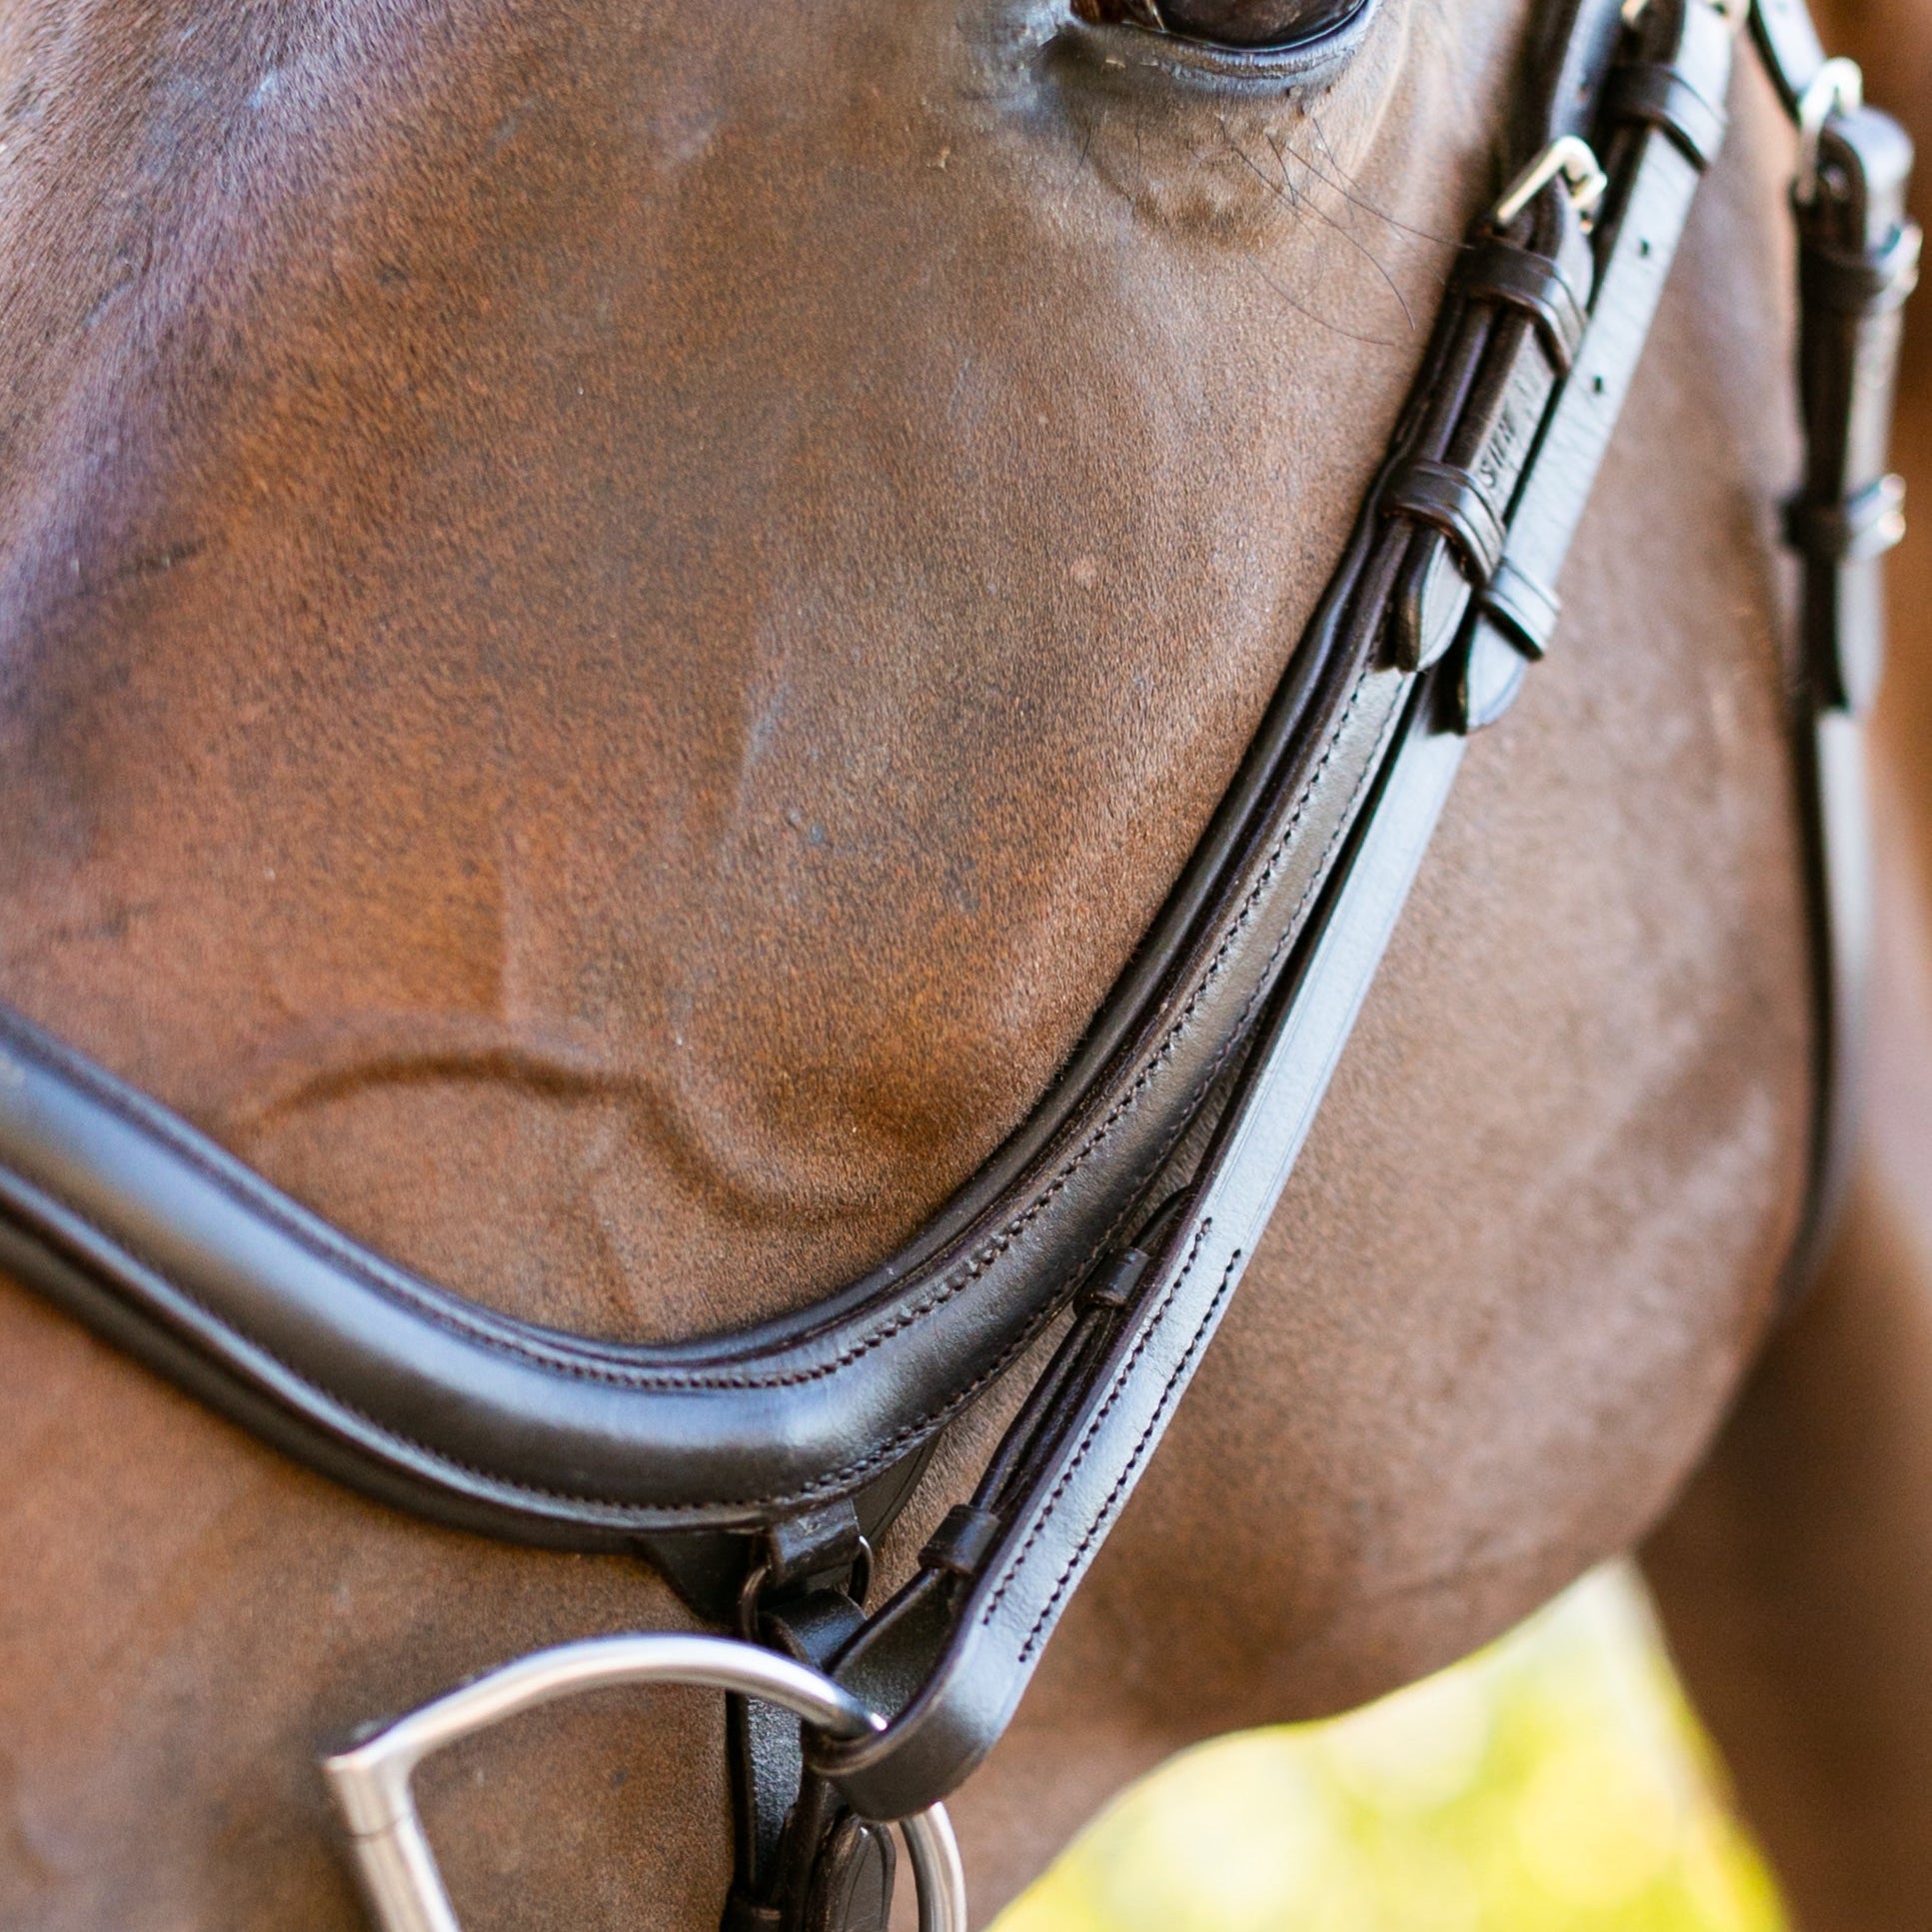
(1519, 278)
(1865, 524)
(1448, 497)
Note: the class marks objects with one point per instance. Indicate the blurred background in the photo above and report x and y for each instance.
(1556, 1781)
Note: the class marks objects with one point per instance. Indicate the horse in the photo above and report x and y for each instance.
(615, 624)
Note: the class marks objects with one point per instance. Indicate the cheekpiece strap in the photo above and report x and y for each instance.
(1858, 258)
(1450, 591)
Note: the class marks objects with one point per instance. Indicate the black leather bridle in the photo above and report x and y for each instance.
(756, 1468)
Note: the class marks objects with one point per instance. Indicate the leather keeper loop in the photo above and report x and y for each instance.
(1658, 94)
(1858, 284)
(1519, 278)
(812, 1545)
(1114, 1287)
(746, 1915)
(1526, 609)
(1864, 526)
(962, 1540)
(1449, 497)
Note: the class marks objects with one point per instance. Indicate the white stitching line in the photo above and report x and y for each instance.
(1110, 1504)
(1088, 1435)
(1122, 1376)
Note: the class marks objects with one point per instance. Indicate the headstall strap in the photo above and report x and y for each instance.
(1534, 353)
(1452, 595)
(1858, 260)
(756, 1470)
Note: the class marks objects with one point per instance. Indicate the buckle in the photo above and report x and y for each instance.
(1838, 87)
(1573, 158)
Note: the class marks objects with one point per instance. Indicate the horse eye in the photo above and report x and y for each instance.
(1224, 23)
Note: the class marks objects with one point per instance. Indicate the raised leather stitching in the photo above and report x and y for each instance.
(1121, 1378)
(1123, 1481)
(1074, 1459)
(1095, 1423)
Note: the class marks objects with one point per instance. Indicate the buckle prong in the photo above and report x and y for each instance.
(1838, 87)
(1570, 156)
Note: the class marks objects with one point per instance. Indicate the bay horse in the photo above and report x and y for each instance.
(616, 622)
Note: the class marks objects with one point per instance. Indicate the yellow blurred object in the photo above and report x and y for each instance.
(1555, 1782)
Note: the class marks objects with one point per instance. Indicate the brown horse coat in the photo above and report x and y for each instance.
(613, 622)
(1796, 1576)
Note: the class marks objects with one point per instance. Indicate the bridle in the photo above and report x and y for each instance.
(758, 1469)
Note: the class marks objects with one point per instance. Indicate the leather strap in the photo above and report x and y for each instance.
(1789, 45)
(1456, 501)
(1858, 257)
(952, 1655)
(174, 1249)
(965, 1638)
(1661, 93)
(1500, 271)
(170, 1248)
(1854, 529)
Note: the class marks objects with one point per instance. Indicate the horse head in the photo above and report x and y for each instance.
(616, 623)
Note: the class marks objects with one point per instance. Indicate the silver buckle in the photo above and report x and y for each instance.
(369, 1781)
(1838, 87)
(1570, 156)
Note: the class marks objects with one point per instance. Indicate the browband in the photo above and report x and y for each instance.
(754, 1466)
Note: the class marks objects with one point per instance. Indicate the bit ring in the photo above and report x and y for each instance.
(369, 1781)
